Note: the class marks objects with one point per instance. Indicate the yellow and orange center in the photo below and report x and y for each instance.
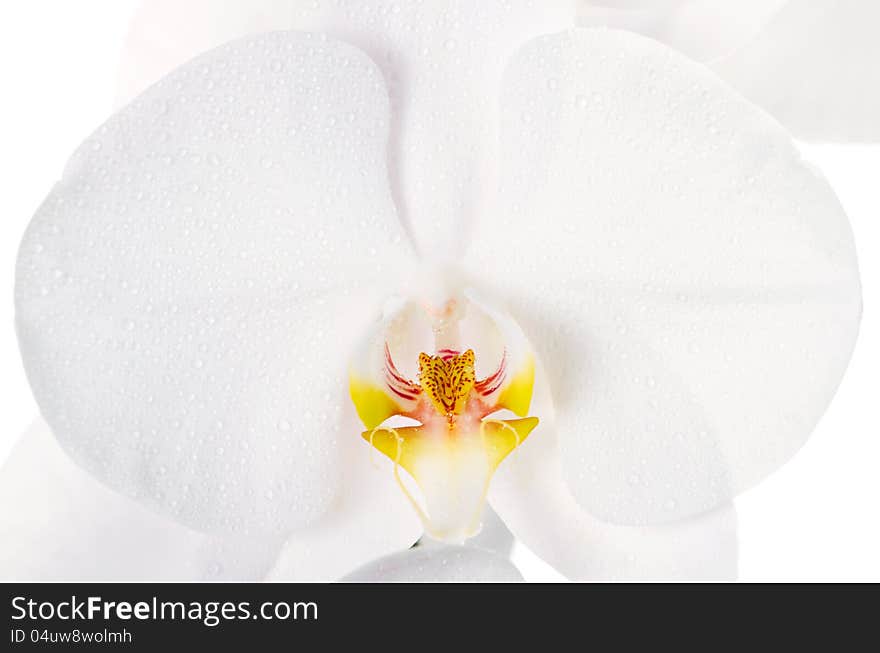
(457, 446)
(448, 382)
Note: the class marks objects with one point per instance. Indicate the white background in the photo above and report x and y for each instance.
(816, 519)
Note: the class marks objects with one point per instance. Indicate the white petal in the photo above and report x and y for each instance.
(167, 33)
(689, 283)
(188, 294)
(372, 518)
(811, 64)
(532, 498)
(443, 62)
(494, 535)
(814, 67)
(437, 563)
(57, 523)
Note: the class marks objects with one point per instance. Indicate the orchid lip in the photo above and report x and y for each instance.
(453, 441)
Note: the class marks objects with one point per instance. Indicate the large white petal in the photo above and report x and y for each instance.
(188, 294)
(814, 67)
(811, 64)
(688, 281)
(371, 519)
(443, 62)
(531, 496)
(57, 523)
(438, 563)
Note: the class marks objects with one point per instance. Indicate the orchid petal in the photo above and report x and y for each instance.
(810, 64)
(688, 281)
(60, 524)
(814, 67)
(437, 563)
(188, 295)
(532, 497)
(371, 519)
(494, 536)
(443, 62)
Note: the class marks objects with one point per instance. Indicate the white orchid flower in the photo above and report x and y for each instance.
(811, 63)
(303, 298)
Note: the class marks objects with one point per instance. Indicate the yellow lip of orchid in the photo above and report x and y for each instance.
(456, 447)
